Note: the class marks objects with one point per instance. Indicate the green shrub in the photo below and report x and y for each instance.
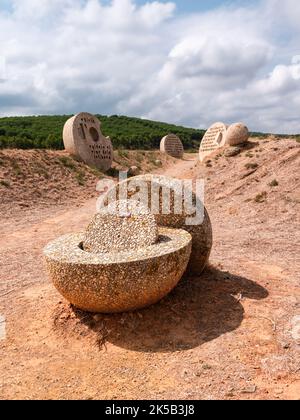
(123, 154)
(251, 166)
(96, 172)
(261, 198)
(274, 183)
(80, 178)
(16, 168)
(4, 183)
(67, 162)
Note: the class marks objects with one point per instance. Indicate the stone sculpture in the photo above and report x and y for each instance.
(83, 138)
(155, 185)
(172, 146)
(142, 265)
(237, 134)
(214, 138)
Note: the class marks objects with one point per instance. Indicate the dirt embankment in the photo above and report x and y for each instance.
(232, 333)
(33, 180)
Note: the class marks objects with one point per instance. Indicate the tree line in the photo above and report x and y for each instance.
(45, 132)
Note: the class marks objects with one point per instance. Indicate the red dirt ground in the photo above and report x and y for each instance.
(232, 333)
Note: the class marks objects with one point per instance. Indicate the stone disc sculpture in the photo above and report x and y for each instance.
(124, 277)
(172, 146)
(155, 185)
(83, 138)
(214, 138)
(237, 134)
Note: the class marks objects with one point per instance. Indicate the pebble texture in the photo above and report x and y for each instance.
(121, 226)
(118, 281)
(237, 134)
(201, 233)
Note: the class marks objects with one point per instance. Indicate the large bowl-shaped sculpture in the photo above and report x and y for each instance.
(159, 189)
(114, 282)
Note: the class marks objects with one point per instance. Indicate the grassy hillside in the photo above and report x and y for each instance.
(45, 132)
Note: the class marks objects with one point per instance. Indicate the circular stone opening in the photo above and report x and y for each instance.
(94, 134)
(219, 138)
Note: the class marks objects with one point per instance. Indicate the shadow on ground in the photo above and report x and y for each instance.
(251, 144)
(197, 311)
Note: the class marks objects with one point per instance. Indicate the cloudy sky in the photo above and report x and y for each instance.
(189, 62)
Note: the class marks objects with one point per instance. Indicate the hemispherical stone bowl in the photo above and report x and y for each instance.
(119, 281)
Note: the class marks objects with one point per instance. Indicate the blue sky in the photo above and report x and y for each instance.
(5, 4)
(187, 6)
(183, 6)
(202, 62)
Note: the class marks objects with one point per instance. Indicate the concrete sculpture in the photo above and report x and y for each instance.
(237, 134)
(83, 138)
(154, 186)
(172, 146)
(214, 138)
(133, 273)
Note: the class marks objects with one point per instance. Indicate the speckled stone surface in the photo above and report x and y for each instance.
(202, 233)
(118, 281)
(122, 225)
(172, 146)
(237, 134)
(213, 139)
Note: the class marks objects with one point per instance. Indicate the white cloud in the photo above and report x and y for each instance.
(65, 56)
(152, 14)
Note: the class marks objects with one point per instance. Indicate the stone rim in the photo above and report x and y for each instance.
(118, 286)
(67, 249)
